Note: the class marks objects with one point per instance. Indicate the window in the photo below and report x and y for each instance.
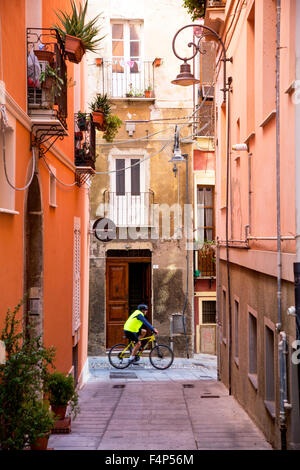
(253, 349)
(128, 181)
(129, 200)
(269, 364)
(224, 315)
(52, 188)
(126, 47)
(236, 329)
(208, 311)
(128, 72)
(205, 215)
(7, 193)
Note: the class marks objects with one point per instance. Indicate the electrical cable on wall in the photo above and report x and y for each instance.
(5, 126)
(54, 176)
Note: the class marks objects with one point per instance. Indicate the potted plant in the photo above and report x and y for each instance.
(196, 8)
(42, 421)
(61, 392)
(148, 92)
(82, 121)
(100, 107)
(157, 62)
(112, 124)
(45, 55)
(77, 35)
(50, 79)
(22, 419)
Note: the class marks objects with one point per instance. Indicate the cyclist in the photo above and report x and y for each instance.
(134, 331)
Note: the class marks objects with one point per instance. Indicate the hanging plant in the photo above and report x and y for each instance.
(196, 8)
(77, 35)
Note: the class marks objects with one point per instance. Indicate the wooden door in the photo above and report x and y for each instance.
(116, 301)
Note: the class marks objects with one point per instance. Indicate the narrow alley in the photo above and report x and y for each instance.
(140, 408)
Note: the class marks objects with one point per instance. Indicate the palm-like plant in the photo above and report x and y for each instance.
(74, 25)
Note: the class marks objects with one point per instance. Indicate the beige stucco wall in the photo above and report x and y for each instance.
(161, 20)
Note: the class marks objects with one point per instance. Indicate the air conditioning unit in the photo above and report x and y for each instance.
(208, 92)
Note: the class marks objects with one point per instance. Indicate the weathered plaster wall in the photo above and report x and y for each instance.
(265, 305)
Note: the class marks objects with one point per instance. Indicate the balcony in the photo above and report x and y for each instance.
(131, 80)
(214, 14)
(206, 262)
(84, 146)
(46, 83)
(128, 210)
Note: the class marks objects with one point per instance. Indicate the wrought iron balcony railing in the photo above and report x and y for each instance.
(129, 210)
(84, 140)
(120, 79)
(216, 4)
(46, 80)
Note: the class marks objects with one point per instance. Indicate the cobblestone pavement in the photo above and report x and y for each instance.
(139, 408)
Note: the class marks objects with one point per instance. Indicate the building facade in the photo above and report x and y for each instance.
(256, 159)
(44, 204)
(147, 259)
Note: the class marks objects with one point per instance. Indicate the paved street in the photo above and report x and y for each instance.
(140, 408)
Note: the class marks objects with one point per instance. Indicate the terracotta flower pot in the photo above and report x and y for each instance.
(74, 49)
(98, 61)
(48, 83)
(45, 55)
(98, 119)
(41, 443)
(148, 93)
(59, 411)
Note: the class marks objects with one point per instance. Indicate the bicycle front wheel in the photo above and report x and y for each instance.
(118, 357)
(161, 356)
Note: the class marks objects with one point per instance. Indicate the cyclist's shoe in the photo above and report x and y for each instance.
(131, 361)
(136, 359)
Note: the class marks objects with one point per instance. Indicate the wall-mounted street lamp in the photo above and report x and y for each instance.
(185, 77)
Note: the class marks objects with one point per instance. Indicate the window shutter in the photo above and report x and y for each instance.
(120, 177)
(76, 277)
(135, 177)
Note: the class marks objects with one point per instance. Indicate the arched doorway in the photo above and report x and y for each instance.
(33, 256)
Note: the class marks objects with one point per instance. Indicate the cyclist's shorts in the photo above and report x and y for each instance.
(132, 336)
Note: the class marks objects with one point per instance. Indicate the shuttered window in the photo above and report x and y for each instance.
(120, 177)
(76, 277)
(135, 177)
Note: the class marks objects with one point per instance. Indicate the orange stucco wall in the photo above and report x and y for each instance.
(58, 222)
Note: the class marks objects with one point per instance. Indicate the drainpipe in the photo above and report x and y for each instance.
(227, 237)
(282, 344)
(284, 404)
(295, 424)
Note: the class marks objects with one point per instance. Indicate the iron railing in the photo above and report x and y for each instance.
(206, 262)
(126, 80)
(46, 75)
(216, 3)
(129, 210)
(84, 141)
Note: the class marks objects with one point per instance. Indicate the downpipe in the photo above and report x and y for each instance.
(284, 404)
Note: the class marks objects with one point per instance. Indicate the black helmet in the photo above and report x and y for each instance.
(142, 307)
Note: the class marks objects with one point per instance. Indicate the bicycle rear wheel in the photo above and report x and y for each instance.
(117, 357)
(161, 356)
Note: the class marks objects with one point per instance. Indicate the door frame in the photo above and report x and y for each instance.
(112, 261)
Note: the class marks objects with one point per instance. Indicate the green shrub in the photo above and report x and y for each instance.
(61, 390)
(21, 383)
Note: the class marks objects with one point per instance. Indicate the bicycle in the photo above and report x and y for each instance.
(161, 356)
